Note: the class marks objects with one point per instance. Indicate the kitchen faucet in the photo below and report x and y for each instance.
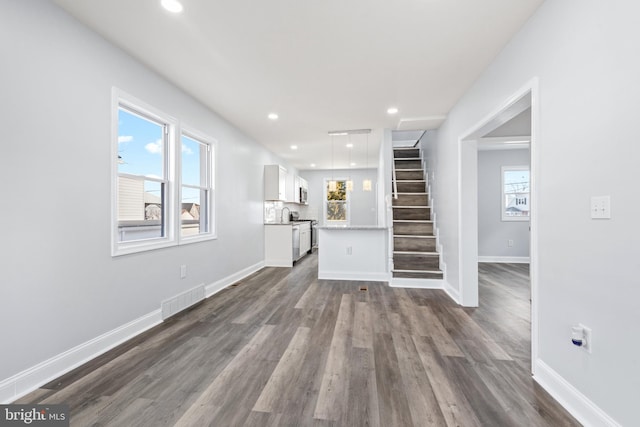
(282, 213)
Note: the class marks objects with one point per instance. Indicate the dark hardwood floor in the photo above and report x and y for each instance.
(286, 349)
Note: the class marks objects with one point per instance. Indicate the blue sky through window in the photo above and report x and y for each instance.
(140, 149)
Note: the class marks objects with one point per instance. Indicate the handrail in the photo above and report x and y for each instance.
(395, 181)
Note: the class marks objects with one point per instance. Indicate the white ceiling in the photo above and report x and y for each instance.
(321, 65)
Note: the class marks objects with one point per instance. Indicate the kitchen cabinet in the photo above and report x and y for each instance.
(305, 238)
(275, 183)
(300, 185)
(286, 243)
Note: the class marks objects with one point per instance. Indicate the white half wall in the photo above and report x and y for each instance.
(583, 55)
(60, 287)
(353, 254)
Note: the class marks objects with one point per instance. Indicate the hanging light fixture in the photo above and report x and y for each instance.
(332, 182)
(366, 183)
(349, 181)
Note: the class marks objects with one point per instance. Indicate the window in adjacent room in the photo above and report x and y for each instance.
(336, 206)
(515, 193)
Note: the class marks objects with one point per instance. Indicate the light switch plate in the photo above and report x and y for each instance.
(601, 207)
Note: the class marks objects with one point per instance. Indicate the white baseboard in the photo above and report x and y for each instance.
(278, 263)
(416, 283)
(453, 293)
(30, 379)
(576, 403)
(219, 285)
(357, 276)
(505, 259)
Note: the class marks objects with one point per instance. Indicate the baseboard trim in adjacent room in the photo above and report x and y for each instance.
(505, 259)
(217, 286)
(30, 379)
(576, 403)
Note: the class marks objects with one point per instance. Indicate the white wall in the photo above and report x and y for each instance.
(493, 233)
(362, 203)
(584, 55)
(60, 287)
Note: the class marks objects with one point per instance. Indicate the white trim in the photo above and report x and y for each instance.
(30, 379)
(356, 276)
(217, 286)
(534, 165)
(532, 87)
(576, 403)
(453, 293)
(417, 283)
(212, 143)
(278, 262)
(120, 98)
(505, 259)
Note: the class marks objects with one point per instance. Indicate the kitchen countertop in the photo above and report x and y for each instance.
(286, 223)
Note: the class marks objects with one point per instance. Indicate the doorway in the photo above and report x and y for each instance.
(524, 99)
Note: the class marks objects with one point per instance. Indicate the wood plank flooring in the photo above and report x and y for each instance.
(286, 349)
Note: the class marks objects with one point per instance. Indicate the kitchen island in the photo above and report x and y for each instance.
(353, 253)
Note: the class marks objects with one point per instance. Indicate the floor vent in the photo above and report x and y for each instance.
(182, 301)
(235, 285)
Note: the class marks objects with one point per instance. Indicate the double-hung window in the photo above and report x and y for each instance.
(336, 204)
(163, 193)
(515, 193)
(196, 213)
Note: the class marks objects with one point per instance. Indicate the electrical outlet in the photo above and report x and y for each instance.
(510, 243)
(183, 271)
(601, 207)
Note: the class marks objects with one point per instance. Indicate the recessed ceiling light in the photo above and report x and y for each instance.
(273, 116)
(313, 165)
(349, 145)
(294, 147)
(353, 163)
(173, 6)
(392, 110)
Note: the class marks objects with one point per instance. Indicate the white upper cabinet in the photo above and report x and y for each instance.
(275, 183)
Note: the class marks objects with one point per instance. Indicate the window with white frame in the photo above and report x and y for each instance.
(336, 202)
(163, 191)
(196, 213)
(515, 193)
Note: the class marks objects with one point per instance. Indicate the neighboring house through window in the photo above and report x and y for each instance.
(515, 193)
(163, 196)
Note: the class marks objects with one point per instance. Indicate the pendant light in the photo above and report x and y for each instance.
(366, 183)
(332, 182)
(349, 181)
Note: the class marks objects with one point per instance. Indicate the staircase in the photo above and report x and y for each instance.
(415, 254)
